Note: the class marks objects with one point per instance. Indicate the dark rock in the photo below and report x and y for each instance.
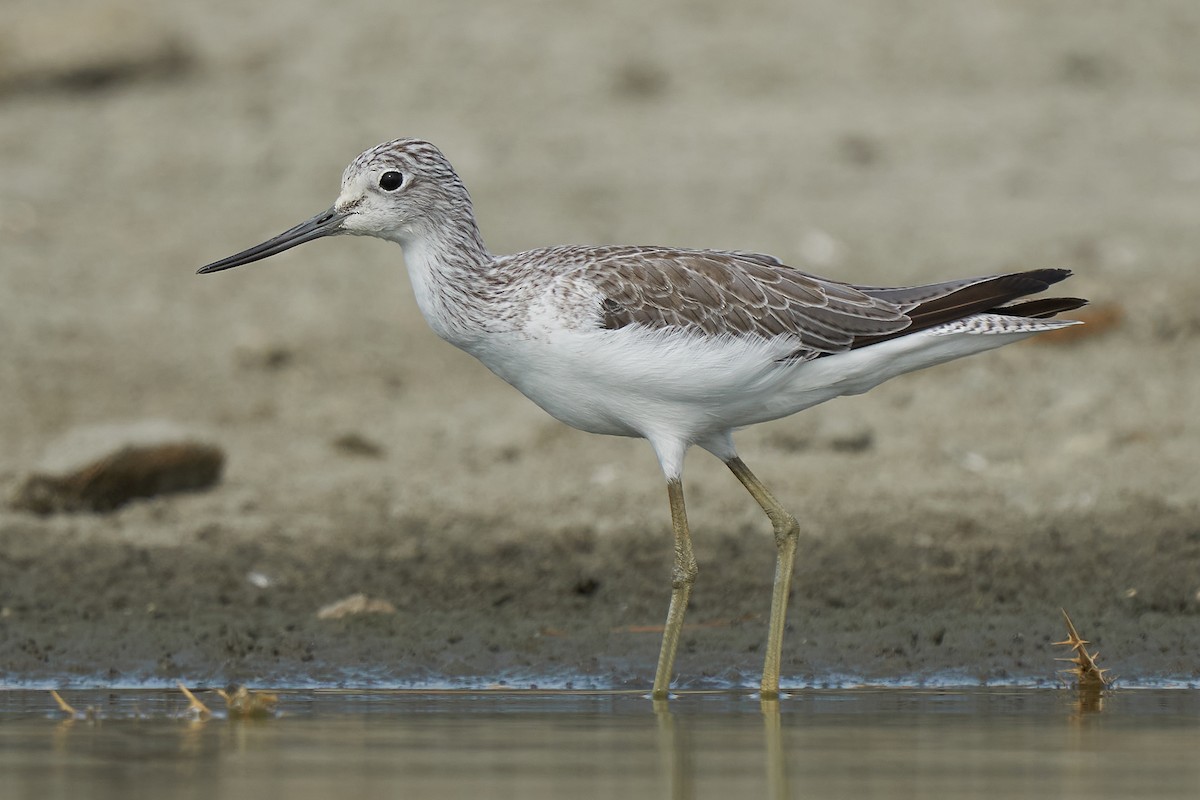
(102, 468)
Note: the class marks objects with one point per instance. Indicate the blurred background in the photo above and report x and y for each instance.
(876, 142)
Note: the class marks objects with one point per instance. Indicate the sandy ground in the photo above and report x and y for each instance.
(947, 515)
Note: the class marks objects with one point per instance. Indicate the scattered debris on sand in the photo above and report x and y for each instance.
(357, 603)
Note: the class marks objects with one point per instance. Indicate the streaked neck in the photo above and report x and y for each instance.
(447, 264)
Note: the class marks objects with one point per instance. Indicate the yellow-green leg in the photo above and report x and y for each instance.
(787, 532)
(683, 575)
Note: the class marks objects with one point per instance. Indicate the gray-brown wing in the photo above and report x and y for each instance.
(727, 293)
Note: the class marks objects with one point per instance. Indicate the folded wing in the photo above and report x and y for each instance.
(716, 293)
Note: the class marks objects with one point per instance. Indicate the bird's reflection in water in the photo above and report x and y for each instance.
(676, 751)
(675, 755)
(777, 778)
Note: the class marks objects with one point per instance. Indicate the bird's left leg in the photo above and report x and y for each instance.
(787, 532)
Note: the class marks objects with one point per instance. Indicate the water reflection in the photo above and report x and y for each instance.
(889, 743)
(1089, 700)
(676, 751)
(777, 782)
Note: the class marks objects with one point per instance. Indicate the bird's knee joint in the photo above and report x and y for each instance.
(684, 575)
(787, 529)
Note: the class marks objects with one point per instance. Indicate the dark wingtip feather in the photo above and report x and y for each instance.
(1017, 284)
(1047, 276)
(1042, 308)
(984, 296)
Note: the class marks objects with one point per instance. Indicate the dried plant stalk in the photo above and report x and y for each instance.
(247, 704)
(1087, 674)
(194, 704)
(63, 705)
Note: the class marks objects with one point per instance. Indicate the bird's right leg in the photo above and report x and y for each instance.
(683, 575)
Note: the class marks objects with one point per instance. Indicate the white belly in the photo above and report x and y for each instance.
(636, 382)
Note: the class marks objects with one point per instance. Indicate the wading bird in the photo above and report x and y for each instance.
(678, 347)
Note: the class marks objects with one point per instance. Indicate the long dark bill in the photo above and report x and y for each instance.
(327, 223)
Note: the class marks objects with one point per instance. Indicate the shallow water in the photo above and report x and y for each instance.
(845, 743)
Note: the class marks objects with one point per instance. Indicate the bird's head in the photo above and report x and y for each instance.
(400, 190)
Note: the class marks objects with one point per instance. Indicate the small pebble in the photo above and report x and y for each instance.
(355, 604)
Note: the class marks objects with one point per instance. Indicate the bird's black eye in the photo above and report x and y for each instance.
(390, 181)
